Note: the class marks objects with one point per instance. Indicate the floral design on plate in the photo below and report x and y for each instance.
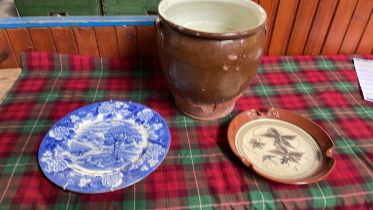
(104, 146)
(284, 150)
(278, 148)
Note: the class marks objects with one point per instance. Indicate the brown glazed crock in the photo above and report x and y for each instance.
(320, 136)
(207, 72)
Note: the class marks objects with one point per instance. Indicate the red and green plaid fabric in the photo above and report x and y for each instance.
(200, 171)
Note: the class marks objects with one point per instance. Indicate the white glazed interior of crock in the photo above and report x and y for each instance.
(213, 16)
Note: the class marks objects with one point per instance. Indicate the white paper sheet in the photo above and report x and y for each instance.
(364, 71)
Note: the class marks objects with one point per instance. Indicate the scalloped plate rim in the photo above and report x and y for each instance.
(82, 108)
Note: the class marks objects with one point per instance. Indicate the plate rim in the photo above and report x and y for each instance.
(67, 115)
(319, 135)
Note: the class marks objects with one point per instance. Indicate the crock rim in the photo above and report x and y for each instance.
(213, 35)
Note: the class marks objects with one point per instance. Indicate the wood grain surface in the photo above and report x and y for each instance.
(294, 27)
(146, 41)
(42, 39)
(283, 27)
(21, 41)
(302, 26)
(127, 41)
(7, 56)
(64, 40)
(356, 27)
(320, 26)
(366, 42)
(86, 41)
(107, 42)
(270, 6)
(339, 26)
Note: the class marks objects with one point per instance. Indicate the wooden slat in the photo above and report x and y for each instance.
(294, 27)
(86, 41)
(302, 26)
(339, 26)
(146, 41)
(270, 6)
(127, 41)
(107, 42)
(282, 27)
(64, 40)
(21, 41)
(366, 43)
(320, 26)
(42, 39)
(7, 57)
(356, 28)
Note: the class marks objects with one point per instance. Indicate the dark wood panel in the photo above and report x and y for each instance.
(64, 40)
(320, 26)
(146, 41)
(107, 42)
(86, 41)
(293, 27)
(42, 39)
(339, 26)
(282, 27)
(21, 41)
(366, 43)
(356, 28)
(7, 57)
(302, 26)
(270, 6)
(127, 41)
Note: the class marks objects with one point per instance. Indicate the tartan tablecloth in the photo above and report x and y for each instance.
(200, 171)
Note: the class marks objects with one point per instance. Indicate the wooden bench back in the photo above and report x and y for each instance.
(308, 27)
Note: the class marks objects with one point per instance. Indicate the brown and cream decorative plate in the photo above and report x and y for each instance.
(282, 146)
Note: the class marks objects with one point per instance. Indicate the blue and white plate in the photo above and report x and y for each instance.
(104, 147)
